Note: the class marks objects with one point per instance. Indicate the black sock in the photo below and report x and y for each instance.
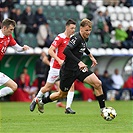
(101, 101)
(46, 100)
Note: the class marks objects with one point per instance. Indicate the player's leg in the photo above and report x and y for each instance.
(65, 86)
(93, 80)
(67, 78)
(52, 76)
(43, 90)
(48, 86)
(59, 103)
(70, 96)
(54, 96)
(10, 85)
(66, 81)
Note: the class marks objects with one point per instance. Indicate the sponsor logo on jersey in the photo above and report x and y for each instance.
(82, 50)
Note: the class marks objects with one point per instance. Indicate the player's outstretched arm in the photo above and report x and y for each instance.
(19, 48)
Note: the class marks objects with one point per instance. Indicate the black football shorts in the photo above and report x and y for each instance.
(67, 77)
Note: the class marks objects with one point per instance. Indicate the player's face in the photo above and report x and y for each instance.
(9, 30)
(71, 29)
(85, 31)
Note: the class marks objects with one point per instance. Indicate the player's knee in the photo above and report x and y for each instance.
(98, 84)
(14, 86)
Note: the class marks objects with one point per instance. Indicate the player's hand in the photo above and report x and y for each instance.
(60, 62)
(25, 47)
(94, 62)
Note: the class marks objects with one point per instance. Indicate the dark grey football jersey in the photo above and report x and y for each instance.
(77, 46)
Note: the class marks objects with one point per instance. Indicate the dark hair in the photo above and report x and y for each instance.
(7, 22)
(105, 71)
(70, 21)
(24, 67)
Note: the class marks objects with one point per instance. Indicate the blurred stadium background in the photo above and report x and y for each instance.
(57, 12)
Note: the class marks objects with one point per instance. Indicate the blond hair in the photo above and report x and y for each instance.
(86, 22)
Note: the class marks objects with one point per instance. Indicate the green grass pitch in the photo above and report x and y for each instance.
(16, 118)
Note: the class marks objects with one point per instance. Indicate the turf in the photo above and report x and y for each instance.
(16, 118)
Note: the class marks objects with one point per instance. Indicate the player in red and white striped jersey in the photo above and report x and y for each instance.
(56, 52)
(6, 40)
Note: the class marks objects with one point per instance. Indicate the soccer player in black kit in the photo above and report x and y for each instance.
(73, 68)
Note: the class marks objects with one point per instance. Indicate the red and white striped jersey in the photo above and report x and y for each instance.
(60, 43)
(5, 41)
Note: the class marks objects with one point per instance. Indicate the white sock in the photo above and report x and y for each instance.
(46, 94)
(40, 94)
(70, 96)
(5, 91)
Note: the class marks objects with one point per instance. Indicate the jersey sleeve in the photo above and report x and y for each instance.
(71, 45)
(87, 51)
(70, 55)
(12, 41)
(57, 41)
(74, 41)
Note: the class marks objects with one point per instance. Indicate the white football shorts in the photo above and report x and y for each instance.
(53, 75)
(3, 78)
